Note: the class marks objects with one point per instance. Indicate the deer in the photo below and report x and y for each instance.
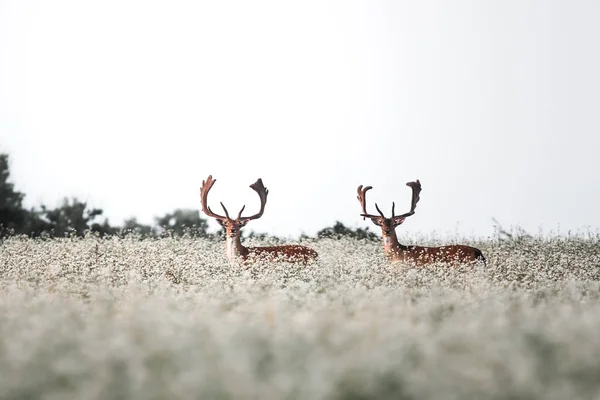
(419, 255)
(236, 251)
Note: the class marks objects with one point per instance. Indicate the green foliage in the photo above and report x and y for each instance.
(74, 217)
(12, 214)
(182, 221)
(132, 226)
(339, 230)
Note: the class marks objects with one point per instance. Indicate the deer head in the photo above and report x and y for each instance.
(388, 225)
(232, 226)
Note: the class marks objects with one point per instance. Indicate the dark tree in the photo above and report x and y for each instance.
(35, 224)
(74, 217)
(339, 230)
(132, 226)
(12, 214)
(183, 221)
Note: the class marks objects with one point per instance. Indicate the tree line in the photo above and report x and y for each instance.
(75, 218)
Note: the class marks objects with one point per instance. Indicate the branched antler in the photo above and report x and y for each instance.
(416, 190)
(262, 191)
(362, 198)
(206, 186)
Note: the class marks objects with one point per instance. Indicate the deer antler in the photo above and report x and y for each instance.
(416, 190)
(224, 209)
(206, 186)
(362, 198)
(262, 191)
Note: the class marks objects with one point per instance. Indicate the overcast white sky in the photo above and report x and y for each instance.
(129, 105)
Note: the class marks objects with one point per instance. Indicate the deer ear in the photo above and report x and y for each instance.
(376, 221)
(398, 220)
(221, 222)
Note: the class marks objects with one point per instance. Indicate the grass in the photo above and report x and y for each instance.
(123, 318)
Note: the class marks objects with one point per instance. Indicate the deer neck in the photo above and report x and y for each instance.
(391, 245)
(234, 248)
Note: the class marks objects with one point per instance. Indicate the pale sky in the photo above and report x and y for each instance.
(129, 105)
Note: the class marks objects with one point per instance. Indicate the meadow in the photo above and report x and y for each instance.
(170, 318)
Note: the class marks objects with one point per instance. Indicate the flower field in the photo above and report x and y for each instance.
(170, 318)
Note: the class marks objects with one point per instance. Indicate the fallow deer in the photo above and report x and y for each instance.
(236, 251)
(418, 254)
